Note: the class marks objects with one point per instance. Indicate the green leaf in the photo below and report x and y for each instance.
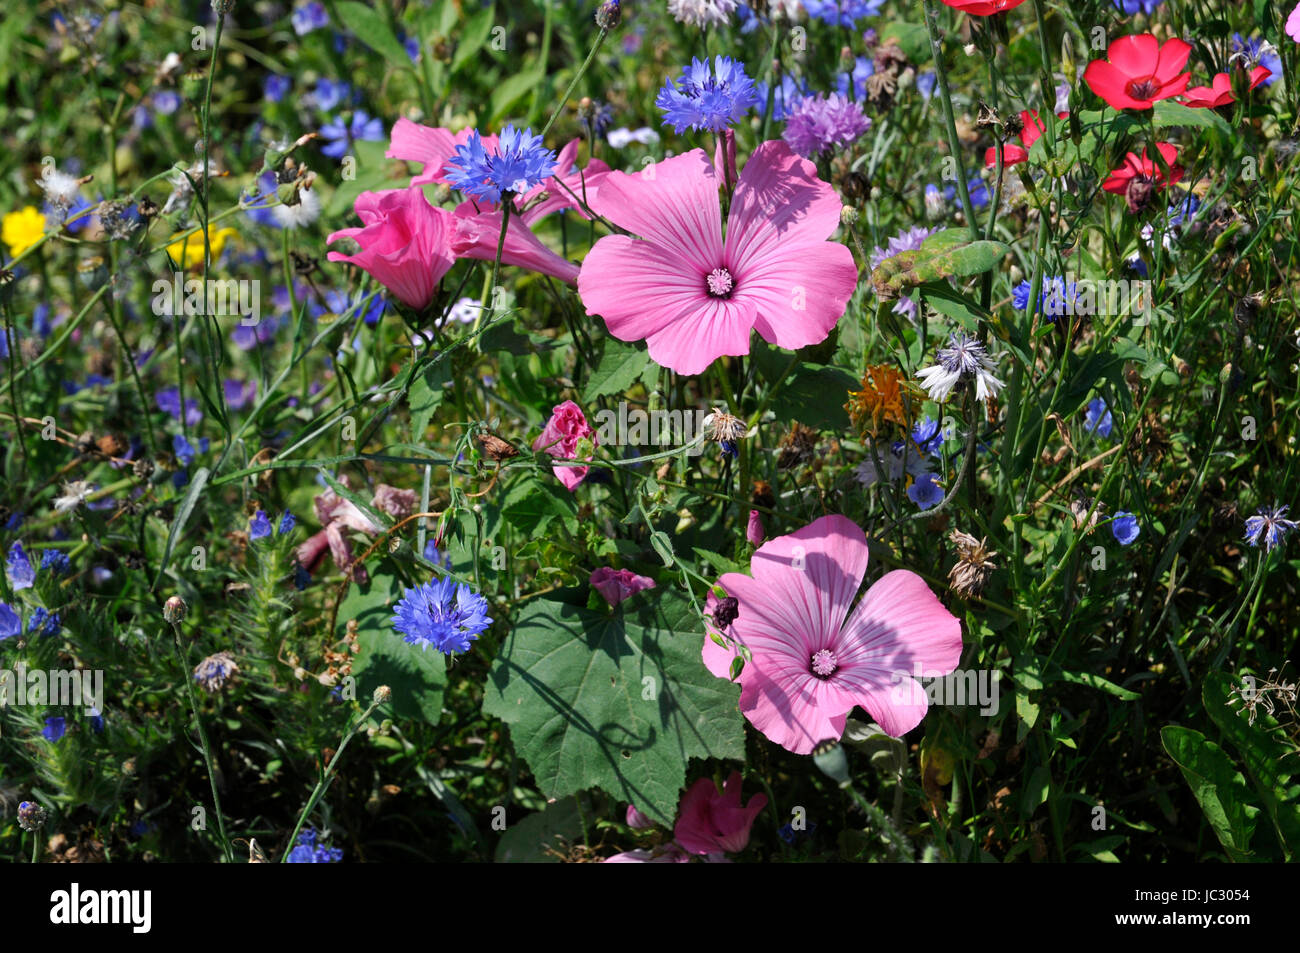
(535, 838)
(510, 91)
(473, 36)
(620, 365)
(815, 395)
(620, 702)
(962, 308)
(1099, 683)
(532, 503)
(1168, 113)
(1218, 786)
(912, 39)
(192, 493)
(369, 26)
(1267, 758)
(946, 254)
(417, 676)
(426, 394)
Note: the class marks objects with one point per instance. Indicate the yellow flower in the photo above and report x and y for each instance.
(22, 230)
(881, 398)
(190, 248)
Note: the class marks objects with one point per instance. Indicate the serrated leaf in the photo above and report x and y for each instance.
(531, 504)
(417, 676)
(369, 27)
(1219, 787)
(620, 365)
(620, 702)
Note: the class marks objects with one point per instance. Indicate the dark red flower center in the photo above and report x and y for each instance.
(1143, 88)
(823, 663)
(719, 283)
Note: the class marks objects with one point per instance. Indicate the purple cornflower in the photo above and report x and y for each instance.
(19, 568)
(1124, 527)
(519, 162)
(361, 129)
(260, 526)
(820, 123)
(1096, 418)
(443, 613)
(1270, 524)
(310, 16)
(707, 99)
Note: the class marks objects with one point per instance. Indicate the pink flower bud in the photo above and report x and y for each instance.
(754, 531)
(617, 584)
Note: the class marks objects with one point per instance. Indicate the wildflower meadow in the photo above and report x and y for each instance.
(653, 431)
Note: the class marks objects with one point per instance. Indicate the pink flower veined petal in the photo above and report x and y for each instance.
(673, 203)
(566, 189)
(789, 708)
(897, 705)
(413, 142)
(639, 287)
(898, 627)
(477, 235)
(799, 292)
(779, 201)
(1293, 24)
(718, 327)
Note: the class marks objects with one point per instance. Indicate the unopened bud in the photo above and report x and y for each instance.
(31, 816)
(608, 14)
(383, 695)
(174, 610)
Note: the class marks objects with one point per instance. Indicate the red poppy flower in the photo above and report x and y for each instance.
(982, 8)
(1139, 178)
(1139, 71)
(1219, 93)
(1012, 153)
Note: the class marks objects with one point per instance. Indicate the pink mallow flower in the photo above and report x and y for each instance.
(637, 820)
(617, 584)
(694, 296)
(476, 234)
(812, 660)
(405, 243)
(710, 821)
(560, 439)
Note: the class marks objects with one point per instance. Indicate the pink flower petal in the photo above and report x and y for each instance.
(673, 203)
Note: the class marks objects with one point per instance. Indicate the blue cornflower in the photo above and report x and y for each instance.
(1138, 6)
(22, 575)
(925, 83)
(976, 187)
(1258, 52)
(443, 613)
(432, 554)
(928, 435)
(1020, 295)
(1269, 523)
(11, 623)
(924, 492)
(277, 87)
(310, 850)
(287, 523)
(55, 560)
(55, 726)
(330, 94)
(1097, 418)
(705, 99)
(862, 69)
(1125, 527)
(520, 162)
(260, 526)
(788, 92)
(341, 136)
(845, 13)
(310, 16)
(169, 401)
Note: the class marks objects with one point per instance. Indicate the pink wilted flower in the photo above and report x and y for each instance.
(560, 439)
(693, 295)
(405, 243)
(813, 661)
(711, 821)
(637, 820)
(337, 515)
(617, 584)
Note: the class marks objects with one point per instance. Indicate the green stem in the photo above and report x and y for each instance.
(954, 144)
(203, 738)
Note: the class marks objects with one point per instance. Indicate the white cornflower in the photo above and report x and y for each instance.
(963, 357)
(74, 494)
(304, 212)
(702, 12)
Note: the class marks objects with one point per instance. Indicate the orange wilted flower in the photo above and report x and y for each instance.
(880, 399)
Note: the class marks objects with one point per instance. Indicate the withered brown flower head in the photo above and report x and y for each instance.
(495, 447)
(974, 565)
(796, 447)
